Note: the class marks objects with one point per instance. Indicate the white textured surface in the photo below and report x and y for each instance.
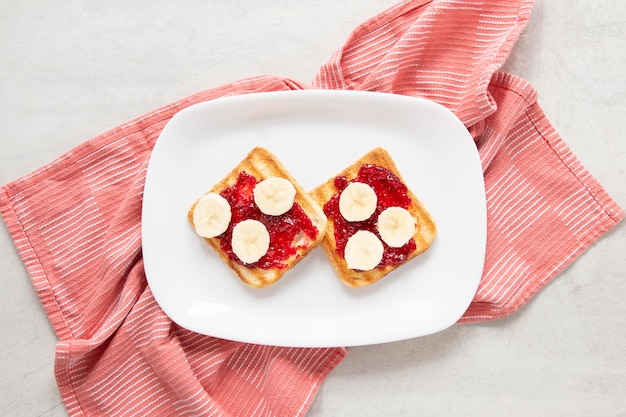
(71, 70)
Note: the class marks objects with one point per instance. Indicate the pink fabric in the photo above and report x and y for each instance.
(76, 221)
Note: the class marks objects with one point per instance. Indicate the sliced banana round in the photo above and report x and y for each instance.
(396, 226)
(274, 195)
(363, 251)
(250, 240)
(357, 202)
(211, 215)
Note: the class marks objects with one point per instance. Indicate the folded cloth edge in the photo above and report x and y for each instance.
(608, 214)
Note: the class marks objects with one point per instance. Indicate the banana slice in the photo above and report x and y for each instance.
(250, 240)
(357, 202)
(363, 251)
(274, 195)
(396, 226)
(211, 215)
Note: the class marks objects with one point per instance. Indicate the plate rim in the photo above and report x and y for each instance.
(301, 95)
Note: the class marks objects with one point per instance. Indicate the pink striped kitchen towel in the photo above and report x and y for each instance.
(76, 221)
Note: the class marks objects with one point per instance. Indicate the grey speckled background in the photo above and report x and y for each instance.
(71, 70)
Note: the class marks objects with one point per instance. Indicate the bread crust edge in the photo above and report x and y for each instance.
(424, 235)
(261, 163)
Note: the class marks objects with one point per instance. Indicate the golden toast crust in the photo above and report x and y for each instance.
(262, 164)
(424, 234)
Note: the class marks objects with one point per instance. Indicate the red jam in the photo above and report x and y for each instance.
(283, 229)
(390, 191)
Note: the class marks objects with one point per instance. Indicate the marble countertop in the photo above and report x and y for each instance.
(71, 70)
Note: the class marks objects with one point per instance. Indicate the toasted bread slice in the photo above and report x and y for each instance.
(261, 164)
(423, 237)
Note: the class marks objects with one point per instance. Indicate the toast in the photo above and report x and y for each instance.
(377, 161)
(292, 234)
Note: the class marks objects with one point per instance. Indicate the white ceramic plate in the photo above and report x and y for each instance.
(315, 134)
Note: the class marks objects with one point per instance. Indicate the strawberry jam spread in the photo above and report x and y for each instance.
(390, 191)
(283, 229)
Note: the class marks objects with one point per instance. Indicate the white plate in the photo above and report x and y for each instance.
(315, 134)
